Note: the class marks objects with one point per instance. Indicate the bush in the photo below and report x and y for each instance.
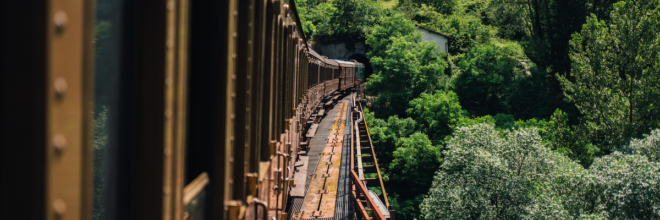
(436, 113)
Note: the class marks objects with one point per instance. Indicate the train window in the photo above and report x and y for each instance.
(106, 59)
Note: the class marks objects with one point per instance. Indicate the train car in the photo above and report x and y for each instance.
(359, 73)
(178, 109)
(346, 80)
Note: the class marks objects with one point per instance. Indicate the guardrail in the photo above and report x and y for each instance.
(361, 193)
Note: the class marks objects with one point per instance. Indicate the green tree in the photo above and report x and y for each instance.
(409, 68)
(350, 21)
(414, 159)
(466, 30)
(390, 28)
(616, 74)
(100, 145)
(313, 16)
(648, 146)
(570, 140)
(486, 73)
(437, 113)
(442, 6)
(385, 133)
(628, 186)
(491, 174)
(544, 26)
(406, 209)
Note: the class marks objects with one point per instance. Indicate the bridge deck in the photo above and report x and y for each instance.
(333, 135)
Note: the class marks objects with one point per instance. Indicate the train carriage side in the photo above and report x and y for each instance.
(347, 68)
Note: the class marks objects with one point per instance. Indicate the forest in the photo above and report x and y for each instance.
(542, 109)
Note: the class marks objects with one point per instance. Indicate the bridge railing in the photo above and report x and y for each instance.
(359, 190)
(361, 193)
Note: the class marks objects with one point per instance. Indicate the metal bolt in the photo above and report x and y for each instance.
(60, 19)
(59, 141)
(60, 86)
(59, 207)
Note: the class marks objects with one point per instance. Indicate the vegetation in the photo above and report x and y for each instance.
(540, 109)
(616, 74)
(493, 174)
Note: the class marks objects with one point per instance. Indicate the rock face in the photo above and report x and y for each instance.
(343, 50)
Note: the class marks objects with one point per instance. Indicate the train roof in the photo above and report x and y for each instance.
(322, 59)
(344, 63)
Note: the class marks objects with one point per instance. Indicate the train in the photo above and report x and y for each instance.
(171, 109)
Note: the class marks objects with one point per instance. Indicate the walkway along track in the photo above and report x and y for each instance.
(332, 188)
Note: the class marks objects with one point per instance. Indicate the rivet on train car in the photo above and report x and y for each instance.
(170, 6)
(168, 81)
(60, 86)
(168, 113)
(59, 141)
(286, 10)
(59, 206)
(60, 19)
(170, 44)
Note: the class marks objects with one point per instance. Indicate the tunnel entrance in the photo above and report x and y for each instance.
(368, 70)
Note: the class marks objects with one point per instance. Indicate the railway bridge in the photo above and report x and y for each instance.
(180, 110)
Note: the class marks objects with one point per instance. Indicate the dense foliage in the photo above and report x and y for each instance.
(436, 113)
(493, 174)
(338, 19)
(617, 74)
(409, 68)
(542, 109)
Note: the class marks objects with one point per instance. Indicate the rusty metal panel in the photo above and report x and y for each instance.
(230, 99)
(268, 76)
(64, 116)
(243, 77)
(176, 76)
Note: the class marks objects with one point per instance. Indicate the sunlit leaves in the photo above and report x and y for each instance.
(491, 174)
(437, 113)
(409, 68)
(615, 73)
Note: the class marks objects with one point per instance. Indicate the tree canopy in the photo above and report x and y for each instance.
(409, 68)
(616, 73)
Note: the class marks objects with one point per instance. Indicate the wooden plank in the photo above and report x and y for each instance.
(312, 130)
(299, 177)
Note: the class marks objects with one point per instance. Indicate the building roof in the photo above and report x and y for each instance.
(432, 31)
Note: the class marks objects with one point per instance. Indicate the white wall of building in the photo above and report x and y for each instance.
(439, 40)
